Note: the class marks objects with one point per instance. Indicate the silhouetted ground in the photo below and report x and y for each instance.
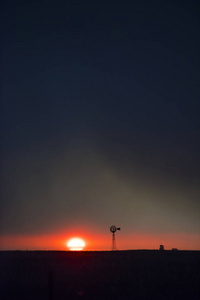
(59, 275)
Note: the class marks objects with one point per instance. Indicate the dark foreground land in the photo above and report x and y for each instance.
(59, 275)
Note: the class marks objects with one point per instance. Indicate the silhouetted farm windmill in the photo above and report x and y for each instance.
(113, 229)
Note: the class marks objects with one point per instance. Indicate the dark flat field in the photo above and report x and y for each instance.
(142, 274)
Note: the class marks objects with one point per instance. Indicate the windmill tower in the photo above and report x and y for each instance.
(113, 229)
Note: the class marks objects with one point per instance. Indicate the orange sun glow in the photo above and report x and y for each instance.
(76, 244)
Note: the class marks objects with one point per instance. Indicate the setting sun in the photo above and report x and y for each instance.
(76, 244)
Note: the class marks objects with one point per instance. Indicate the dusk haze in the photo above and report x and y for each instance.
(100, 125)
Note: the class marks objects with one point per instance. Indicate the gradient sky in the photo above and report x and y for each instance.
(100, 123)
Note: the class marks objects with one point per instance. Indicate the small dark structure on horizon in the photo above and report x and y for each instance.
(113, 229)
(161, 247)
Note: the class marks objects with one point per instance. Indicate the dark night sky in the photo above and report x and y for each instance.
(100, 123)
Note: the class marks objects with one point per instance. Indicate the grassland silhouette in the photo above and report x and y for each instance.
(133, 274)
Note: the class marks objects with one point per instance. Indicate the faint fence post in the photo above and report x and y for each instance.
(50, 285)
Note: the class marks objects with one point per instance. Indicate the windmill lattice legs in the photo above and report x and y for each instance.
(114, 245)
